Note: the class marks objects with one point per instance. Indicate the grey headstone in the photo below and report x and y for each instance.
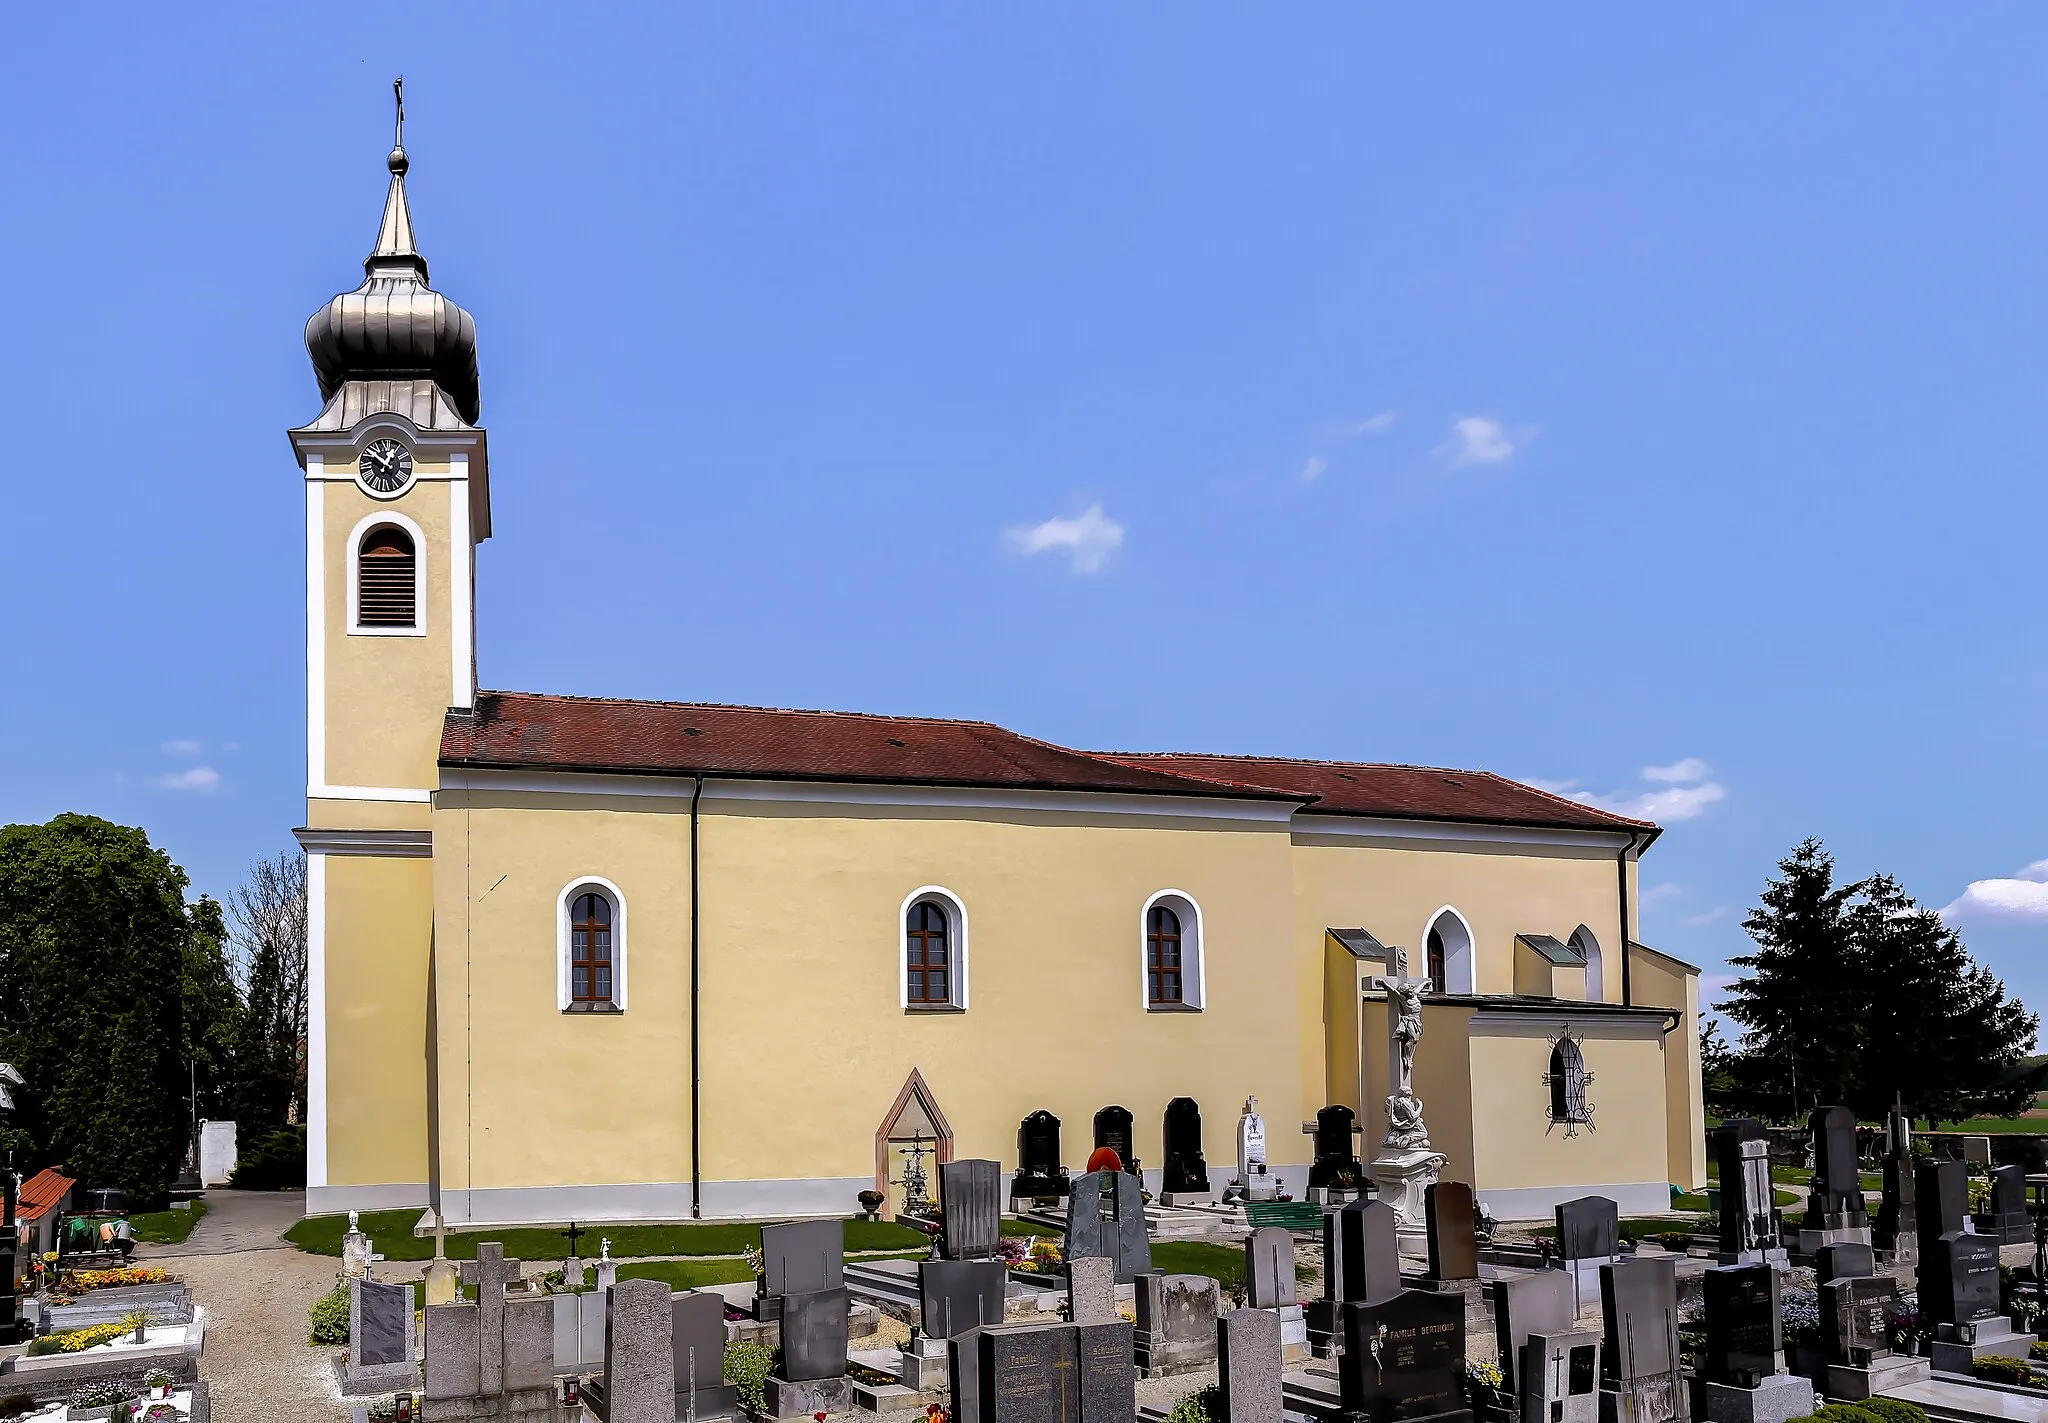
(1836, 1202)
(1958, 1279)
(490, 1272)
(813, 1335)
(1639, 1351)
(1248, 1366)
(1269, 1268)
(1109, 1392)
(529, 1356)
(1029, 1374)
(1447, 1218)
(1749, 1214)
(1178, 1309)
(1561, 1377)
(1744, 1341)
(1091, 1289)
(1370, 1250)
(381, 1332)
(1588, 1229)
(2008, 1191)
(1524, 1305)
(697, 1354)
(1856, 1316)
(454, 1347)
(1403, 1357)
(970, 1205)
(803, 1257)
(639, 1370)
(1844, 1260)
(957, 1295)
(1111, 1227)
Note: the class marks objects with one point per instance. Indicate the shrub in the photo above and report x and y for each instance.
(330, 1317)
(746, 1367)
(2038, 1349)
(71, 1341)
(1204, 1405)
(1999, 1368)
(1673, 1240)
(1894, 1410)
(1844, 1413)
(275, 1161)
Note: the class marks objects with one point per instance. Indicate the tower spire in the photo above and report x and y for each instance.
(394, 234)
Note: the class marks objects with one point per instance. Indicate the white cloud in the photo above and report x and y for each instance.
(1712, 916)
(179, 748)
(1672, 802)
(1088, 539)
(1375, 425)
(1658, 893)
(1479, 439)
(1314, 467)
(193, 778)
(2021, 899)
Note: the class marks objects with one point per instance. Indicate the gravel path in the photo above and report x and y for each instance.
(256, 1291)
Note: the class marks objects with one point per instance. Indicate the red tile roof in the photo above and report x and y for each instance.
(518, 730)
(40, 1193)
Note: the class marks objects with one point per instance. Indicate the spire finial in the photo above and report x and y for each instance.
(397, 161)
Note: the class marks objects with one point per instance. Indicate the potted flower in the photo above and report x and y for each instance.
(158, 1383)
(870, 1204)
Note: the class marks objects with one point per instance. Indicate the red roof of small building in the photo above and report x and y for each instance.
(527, 730)
(42, 1193)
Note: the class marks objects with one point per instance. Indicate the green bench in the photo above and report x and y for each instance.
(1288, 1215)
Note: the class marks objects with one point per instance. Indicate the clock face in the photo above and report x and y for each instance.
(385, 466)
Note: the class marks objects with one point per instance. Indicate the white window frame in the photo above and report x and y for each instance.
(1461, 969)
(388, 518)
(1584, 940)
(583, 884)
(1194, 960)
(955, 910)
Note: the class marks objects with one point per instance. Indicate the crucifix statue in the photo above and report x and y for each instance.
(1404, 1031)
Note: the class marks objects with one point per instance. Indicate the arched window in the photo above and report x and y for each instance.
(1448, 946)
(387, 580)
(934, 950)
(1170, 930)
(1567, 1083)
(1596, 985)
(590, 929)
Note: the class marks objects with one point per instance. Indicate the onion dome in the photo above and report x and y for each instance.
(393, 326)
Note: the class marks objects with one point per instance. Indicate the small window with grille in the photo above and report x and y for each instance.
(387, 580)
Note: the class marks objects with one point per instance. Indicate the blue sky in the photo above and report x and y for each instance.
(1647, 403)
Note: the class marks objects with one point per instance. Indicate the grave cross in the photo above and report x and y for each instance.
(490, 1272)
(575, 1233)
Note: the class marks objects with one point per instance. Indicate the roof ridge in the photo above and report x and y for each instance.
(749, 707)
(1304, 761)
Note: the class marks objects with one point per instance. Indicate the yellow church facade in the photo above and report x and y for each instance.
(578, 958)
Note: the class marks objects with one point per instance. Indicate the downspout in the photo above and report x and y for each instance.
(1621, 894)
(696, 1076)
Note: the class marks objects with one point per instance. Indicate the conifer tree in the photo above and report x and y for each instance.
(1797, 1007)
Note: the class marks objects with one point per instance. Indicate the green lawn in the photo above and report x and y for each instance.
(689, 1274)
(170, 1227)
(1636, 1227)
(392, 1233)
(1198, 1257)
(1022, 1228)
(2000, 1126)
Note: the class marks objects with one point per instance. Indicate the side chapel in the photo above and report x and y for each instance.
(575, 957)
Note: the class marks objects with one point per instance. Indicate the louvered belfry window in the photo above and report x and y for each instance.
(386, 586)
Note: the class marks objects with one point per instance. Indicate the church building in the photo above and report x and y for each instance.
(582, 958)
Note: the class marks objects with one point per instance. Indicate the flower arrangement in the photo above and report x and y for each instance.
(80, 1280)
(1483, 1386)
(1011, 1250)
(1799, 1310)
(937, 1413)
(1045, 1257)
(100, 1393)
(72, 1341)
(157, 1382)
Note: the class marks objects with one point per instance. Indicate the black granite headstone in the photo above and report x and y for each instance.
(1113, 1130)
(383, 1316)
(1336, 1160)
(956, 1295)
(1039, 1172)
(1944, 1199)
(1856, 1318)
(1029, 1375)
(1744, 1342)
(1749, 1214)
(970, 1207)
(2007, 1220)
(1370, 1251)
(697, 1336)
(1844, 1260)
(813, 1335)
(1404, 1357)
(1836, 1201)
(1109, 1391)
(1640, 1353)
(1897, 1226)
(1588, 1228)
(1186, 1172)
(1958, 1279)
(803, 1257)
(1447, 1218)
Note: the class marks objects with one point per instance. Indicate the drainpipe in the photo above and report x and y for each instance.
(1621, 894)
(696, 1076)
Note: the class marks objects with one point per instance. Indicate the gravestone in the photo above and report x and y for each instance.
(1642, 1369)
(1834, 1207)
(803, 1257)
(1369, 1250)
(1113, 1130)
(1959, 1279)
(1187, 1174)
(494, 1358)
(1091, 1289)
(1336, 1165)
(639, 1380)
(1269, 1268)
(1040, 1176)
(1943, 1199)
(1028, 1374)
(1252, 1175)
(1846, 1260)
(380, 1339)
(1109, 1385)
(957, 1295)
(697, 1343)
(810, 1364)
(1106, 1217)
(1588, 1236)
(1176, 1330)
(1977, 1151)
(1745, 1344)
(1447, 1212)
(1525, 1306)
(1751, 1227)
(1856, 1331)
(2007, 1220)
(1404, 1358)
(1248, 1363)
(1560, 1377)
(1898, 1227)
(970, 1205)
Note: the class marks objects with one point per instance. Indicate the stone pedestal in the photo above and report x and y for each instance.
(786, 1398)
(1775, 1399)
(1957, 1347)
(441, 1279)
(1293, 1333)
(924, 1364)
(1402, 1175)
(1810, 1241)
(1885, 1373)
(1780, 1257)
(1180, 1200)
(1331, 1195)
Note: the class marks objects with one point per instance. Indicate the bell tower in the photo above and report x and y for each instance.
(397, 498)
